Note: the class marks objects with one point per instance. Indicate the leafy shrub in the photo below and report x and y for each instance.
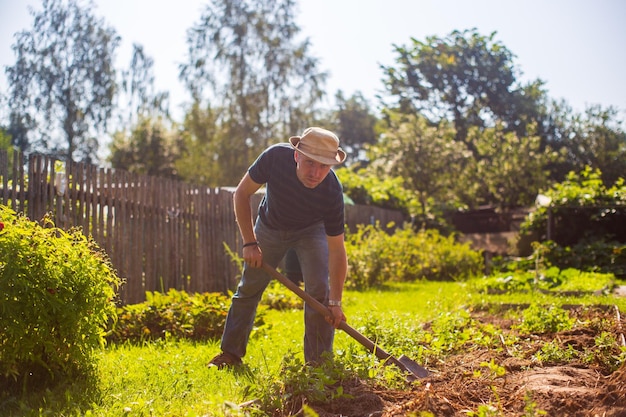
(580, 191)
(366, 187)
(375, 257)
(175, 314)
(589, 255)
(588, 226)
(279, 297)
(370, 189)
(57, 295)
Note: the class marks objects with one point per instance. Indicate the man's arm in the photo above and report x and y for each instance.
(337, 269)
(243, 215)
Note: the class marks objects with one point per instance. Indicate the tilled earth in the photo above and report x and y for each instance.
(460, 384)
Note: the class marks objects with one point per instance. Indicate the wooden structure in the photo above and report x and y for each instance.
(158, 233)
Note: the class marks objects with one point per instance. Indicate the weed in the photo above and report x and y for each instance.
(297, 384)
(552, 354)
(530, 407)
(608, 352)
(541, 319)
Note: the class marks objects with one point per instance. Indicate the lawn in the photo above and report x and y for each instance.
(170, 378)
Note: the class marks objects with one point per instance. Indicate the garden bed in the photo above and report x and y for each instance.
(463, 383)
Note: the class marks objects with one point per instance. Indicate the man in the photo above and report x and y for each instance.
(302, 210)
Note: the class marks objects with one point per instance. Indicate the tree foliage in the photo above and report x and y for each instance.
(509, 169)
(244, 56)
(209, 157)
(150, 149)
(355, 124)
(466, 78)
(137, 95)
(63, 82)
(594, 139)
(427, 158)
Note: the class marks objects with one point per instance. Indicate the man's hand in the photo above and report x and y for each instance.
(337, 316)
(253, 256)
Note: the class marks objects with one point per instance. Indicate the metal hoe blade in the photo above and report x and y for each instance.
(413, 367)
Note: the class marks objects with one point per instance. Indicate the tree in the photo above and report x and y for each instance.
(151, 149)
(355, 125)
(244, 57)
(137, 95)
(466, 78)
(593, 139)
(63, 81)
(510, 169)
(202, 160)
(427, 157)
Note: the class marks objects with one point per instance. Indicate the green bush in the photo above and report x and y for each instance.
(589, 255)
(57, 295)
(588, 227)
(279, 297)
(175, 314)
(584, 196)
(375, 257)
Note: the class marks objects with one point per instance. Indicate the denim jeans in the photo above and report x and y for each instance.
(312, 249)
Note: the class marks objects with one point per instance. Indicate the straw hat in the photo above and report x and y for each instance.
(320, 145)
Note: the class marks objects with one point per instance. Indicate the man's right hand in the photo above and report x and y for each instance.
(253, 256)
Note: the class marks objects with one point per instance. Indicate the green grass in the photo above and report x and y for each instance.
(170, 378)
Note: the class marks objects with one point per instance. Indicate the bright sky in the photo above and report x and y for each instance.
(578, 47)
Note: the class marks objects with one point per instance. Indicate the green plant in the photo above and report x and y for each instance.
(175, 314)
(586, 220)
(279, 297)
(597, 254)
(553, 354)
(551, 279)
(297, 384)
(376, 257)
(493, 371)
(608, 352)
(530, 407)
(544, 319)
(58, 292)
(370, 189)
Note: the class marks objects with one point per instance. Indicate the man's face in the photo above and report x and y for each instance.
(310, 172)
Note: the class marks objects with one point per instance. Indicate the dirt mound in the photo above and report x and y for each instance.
(463, 383)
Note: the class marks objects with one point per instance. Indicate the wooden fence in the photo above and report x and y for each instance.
(158, 233)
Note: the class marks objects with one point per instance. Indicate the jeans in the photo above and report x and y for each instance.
(312, 249)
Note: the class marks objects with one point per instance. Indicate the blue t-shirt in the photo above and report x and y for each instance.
(288, 204)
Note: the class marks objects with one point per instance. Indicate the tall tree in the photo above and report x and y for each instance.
(244, 57)
(467, 78)
(202, 161)
(593, 139)
(355, 125)
(151, 149)
(427, 157)
(137, 92)
(63, 82)
(509, 171)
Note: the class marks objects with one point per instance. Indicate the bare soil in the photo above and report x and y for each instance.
(456, 388)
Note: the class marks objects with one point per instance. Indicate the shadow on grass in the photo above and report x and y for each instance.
(40, 392)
